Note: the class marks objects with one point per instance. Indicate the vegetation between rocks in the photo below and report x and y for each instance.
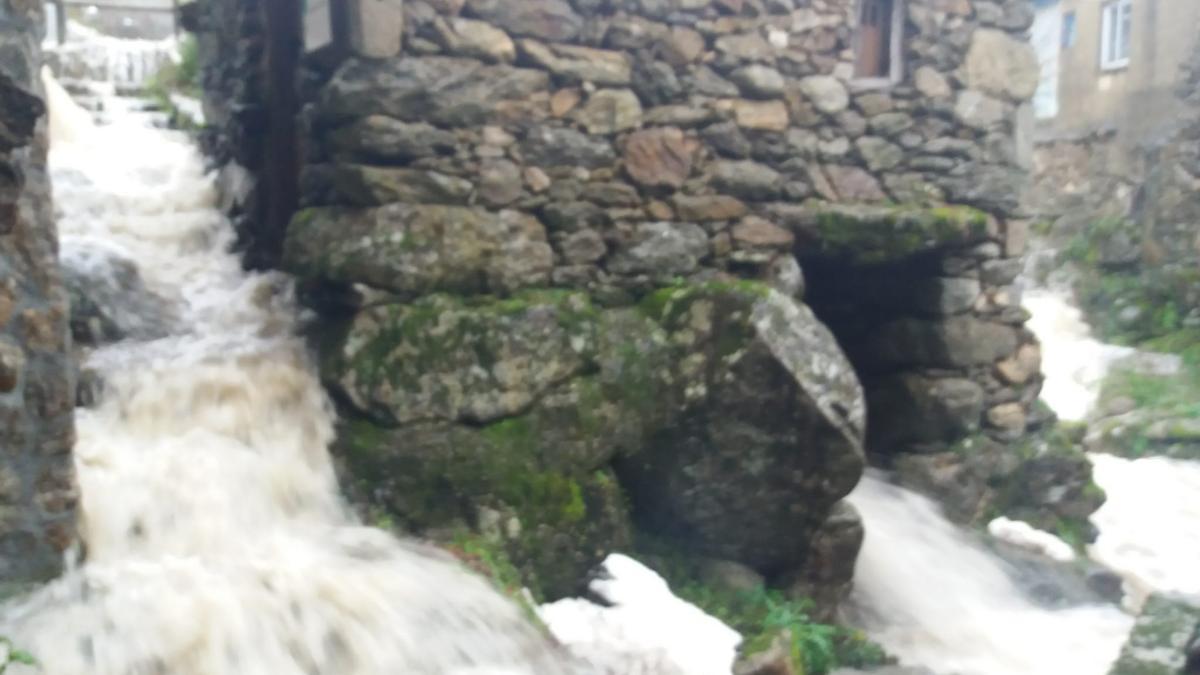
(1155, 414)
(182, 77)
(762, 616)
(10, 655)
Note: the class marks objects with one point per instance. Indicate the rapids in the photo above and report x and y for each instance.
(933, 595)
(215, 537)
(215, 540)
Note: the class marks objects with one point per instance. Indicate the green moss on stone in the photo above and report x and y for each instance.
(872, 234)
(669, 303)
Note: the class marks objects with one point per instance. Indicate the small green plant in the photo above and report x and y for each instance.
(182, 77)
(10, 655)
(762, 615)
(490, 560)
(1160, 401)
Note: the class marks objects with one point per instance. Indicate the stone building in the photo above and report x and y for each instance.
(1114, 65)
(37, 493)
(568, 256)
(1113, 96)
(1116, 174)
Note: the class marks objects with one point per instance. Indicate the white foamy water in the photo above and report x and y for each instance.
(1074, 364)
(643, 623)
(1150, 525)
(930, 594)
(89, 55)
(216, 540)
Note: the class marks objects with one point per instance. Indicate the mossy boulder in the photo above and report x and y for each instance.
(728, 411)
(414, 249)
(1165, 639)
(769, 434)
(443, 358)
(1153, 410)
(866, 234)
(1043, 479)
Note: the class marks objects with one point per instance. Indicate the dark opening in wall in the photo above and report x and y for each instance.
(857, 302)
(933, 340)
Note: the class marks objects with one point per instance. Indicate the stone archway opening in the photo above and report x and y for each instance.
(922, 301)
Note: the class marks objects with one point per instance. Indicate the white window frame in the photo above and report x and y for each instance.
(1116, 40)
(896, 51)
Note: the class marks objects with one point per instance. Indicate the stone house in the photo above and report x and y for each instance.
(1113, 64)
(1116, 137)
(1114, 97)
(491, 164)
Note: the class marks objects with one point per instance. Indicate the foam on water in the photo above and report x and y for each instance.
(89, 55)
(1074, 364)
(215, 538)
(1150, 524)
(932, 595)
(643, 623)
(929, 593)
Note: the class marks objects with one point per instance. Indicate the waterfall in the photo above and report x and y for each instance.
(90, 56)
(1150, 524)
(216, 541)
(930, 593)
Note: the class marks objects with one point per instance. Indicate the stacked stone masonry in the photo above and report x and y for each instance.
(37, 490)
(543, 157)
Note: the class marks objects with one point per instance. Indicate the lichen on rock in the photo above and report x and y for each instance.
(726, 407)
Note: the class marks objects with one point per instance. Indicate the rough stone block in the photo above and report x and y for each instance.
(375, 27)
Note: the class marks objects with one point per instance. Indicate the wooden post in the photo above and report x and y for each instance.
(280, 163)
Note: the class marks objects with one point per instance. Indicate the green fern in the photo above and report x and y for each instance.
(13, 655)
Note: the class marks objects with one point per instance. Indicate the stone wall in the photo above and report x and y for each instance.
(549, 229)
(37, 493)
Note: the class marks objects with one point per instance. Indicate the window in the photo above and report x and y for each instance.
(878, 49)
(1068, 30)
(55, 21)
(1115, 35)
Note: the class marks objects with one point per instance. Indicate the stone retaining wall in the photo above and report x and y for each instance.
(639, 143)
(561, 248)
(37, 492)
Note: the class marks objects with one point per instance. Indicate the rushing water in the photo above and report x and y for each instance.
(89, 55)
(1150, 525)
(216, 541)
(932, 595)
(215, 538)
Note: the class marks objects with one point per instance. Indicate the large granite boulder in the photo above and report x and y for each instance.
(412, 249)
(109, 300)
(871, 234)
(438, 90)
(771, 431)
(19, 113)
(731, 417)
